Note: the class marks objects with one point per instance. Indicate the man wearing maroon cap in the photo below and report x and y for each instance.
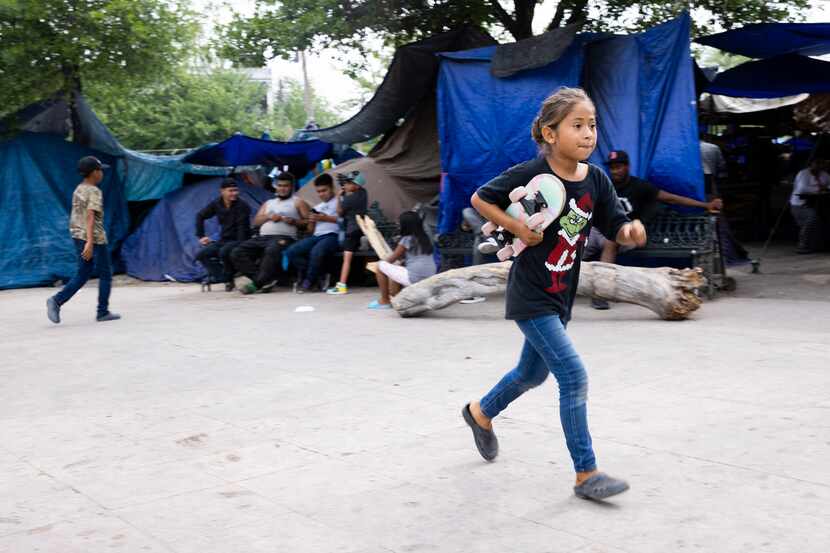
(639, 200)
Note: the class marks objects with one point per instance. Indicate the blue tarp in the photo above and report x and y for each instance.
(773, 78)
(244, 150)
(145, 176)
(484, 122)
(38, 174)
(644, 90)
(165, 243)
(643, 87)
(766, 40)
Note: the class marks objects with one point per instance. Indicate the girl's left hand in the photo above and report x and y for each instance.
(633, 234)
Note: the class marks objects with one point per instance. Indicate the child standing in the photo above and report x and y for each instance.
(352, 201)
(543, 279)
(416, 248)
(86, 226)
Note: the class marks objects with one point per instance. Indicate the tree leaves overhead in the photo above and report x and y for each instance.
(50, 45)
(281, 28)
(189, 109)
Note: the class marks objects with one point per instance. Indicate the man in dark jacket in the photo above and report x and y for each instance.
(234, 218)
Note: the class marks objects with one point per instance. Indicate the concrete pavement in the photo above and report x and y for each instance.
(220, 423)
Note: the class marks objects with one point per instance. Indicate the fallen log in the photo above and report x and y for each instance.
(670, 293)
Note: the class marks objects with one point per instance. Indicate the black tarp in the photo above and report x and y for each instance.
(411, 76)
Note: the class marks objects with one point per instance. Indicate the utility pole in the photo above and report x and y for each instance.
(308, 94)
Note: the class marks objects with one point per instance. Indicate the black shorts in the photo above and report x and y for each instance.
(352, 241)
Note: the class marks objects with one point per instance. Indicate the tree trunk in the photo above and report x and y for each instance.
(667, 292)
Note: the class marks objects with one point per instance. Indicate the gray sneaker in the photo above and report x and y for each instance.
(485, 440)
(53, 310)
(602, 305)
(600, 486)
(108, 316)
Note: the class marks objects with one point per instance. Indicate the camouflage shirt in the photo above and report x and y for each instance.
(87, 197)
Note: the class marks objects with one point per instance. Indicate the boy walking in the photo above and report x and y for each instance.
(86, 226)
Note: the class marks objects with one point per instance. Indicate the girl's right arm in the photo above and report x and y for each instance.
(494, 213)
(399, 253)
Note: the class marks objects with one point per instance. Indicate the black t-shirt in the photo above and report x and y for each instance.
(638, 198)
(235, 220)
(353, 204)
(543, 279)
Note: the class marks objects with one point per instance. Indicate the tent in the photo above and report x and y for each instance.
(775, 77)
(409, 80)
(239, 150)
(404, 168)
(165, 245)
(38, 174)
(784, 67)
(642, 85)
(767, 40)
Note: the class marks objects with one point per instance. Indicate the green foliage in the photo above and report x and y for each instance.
(280, 28)
(50, 45)
(192, 108)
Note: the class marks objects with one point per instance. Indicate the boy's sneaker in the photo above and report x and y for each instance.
(339, 289)
(489, 246)
(53, 310)
(303, 288)
(108, 316)
(600, 304)
(248, 288)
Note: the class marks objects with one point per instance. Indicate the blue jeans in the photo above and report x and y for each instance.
(548, 348)
(309, 254)
(100, 261)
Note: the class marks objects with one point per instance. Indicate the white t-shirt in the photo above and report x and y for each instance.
(711, 158)
(286, 208)
(325, 227)
(807, 183)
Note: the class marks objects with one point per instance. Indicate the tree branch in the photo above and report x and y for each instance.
(556, 22)
(578, 12)
(505, 19)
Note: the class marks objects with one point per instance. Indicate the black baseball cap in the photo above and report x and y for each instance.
(88, 164)
(228, 182)
(617, 156)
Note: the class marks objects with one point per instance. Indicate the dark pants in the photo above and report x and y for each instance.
(309, 254)
(260, 258)
(100, 261)
(809, 227)
(216, 259)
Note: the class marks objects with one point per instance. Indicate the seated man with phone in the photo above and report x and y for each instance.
(309, 254)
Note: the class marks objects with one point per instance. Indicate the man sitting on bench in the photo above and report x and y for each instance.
(260, 258)
(309, 254)
(234, 219)
(639, 200)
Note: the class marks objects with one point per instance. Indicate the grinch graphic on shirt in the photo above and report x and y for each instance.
(563, 256)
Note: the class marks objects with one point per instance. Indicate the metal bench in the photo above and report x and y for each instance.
(455, 249)
(694, 237)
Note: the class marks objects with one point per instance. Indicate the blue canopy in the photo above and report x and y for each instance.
(165, 243)
(38, 174)
(643, 88)
(766, 40)
(238, 150)
(773, 78)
